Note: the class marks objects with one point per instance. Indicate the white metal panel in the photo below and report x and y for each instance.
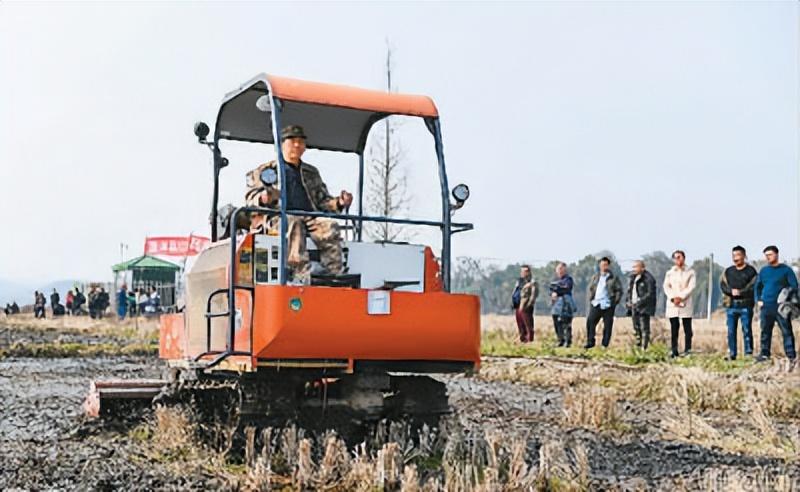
(268, 259)
(378, 263)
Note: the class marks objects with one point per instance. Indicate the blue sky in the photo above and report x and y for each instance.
(578, 126)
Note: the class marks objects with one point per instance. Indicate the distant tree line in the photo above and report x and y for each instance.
(494, 284)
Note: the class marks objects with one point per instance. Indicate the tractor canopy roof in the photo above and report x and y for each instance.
(335, 117)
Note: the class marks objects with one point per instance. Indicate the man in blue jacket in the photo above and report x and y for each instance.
(562, 305)
(771, 280)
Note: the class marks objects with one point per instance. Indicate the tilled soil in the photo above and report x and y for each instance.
(45, 442)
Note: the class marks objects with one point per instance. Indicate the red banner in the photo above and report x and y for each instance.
(175, 246)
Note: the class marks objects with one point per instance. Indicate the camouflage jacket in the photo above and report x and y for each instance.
(312, 182)
(529, 291)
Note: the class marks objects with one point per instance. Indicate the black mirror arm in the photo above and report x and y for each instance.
(456, 206)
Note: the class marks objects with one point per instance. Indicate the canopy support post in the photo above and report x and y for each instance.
(435, 128)
(360, 192)
(284, 226)
(215, 197)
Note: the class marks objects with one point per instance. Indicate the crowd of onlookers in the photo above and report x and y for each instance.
(773, 290)
(141, 301)
(95, 303)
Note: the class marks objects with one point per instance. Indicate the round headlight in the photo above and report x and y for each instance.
(461, 193)
(269, 176)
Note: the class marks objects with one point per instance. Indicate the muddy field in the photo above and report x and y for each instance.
(503, 435)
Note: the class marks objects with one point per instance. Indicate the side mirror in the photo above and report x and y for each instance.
(461, 194)
(269, 176)
(201, 131)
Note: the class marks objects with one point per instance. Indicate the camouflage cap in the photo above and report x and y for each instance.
(293, 131)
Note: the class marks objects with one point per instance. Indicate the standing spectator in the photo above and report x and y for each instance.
(55, 299)
(92, 298)
(641, 302)
(37, 307)
(132, 302)
(563, 305)
(155, 299)
(103, 302)
(78, 302)
(605, 292)
(737, 284)
(70, 299)
(122, 302)
(42, 305)
(143, 301)
(525, 293)
(774, 277)
(679, 283)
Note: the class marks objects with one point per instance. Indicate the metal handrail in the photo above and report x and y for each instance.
(352, 217)
(209, 316)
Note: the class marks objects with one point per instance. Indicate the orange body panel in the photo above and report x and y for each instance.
(433, 281)
(244, 305)
(172, 341)
(333, 323)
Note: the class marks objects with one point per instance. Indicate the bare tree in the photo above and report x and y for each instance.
(387, 187)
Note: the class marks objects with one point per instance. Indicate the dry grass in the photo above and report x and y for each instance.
(593, 408)
(78, 336)
(756, 411)
(59, 349)
(441, 460)
(736, 406)
(138, 328)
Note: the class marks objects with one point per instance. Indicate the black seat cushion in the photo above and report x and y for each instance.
(351, 280)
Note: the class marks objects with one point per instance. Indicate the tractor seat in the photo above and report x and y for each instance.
(350, 280)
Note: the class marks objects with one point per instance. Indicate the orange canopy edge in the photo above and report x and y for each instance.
(351, 97)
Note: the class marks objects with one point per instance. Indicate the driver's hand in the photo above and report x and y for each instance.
(346, 199)
(265, 198)
(293, 259)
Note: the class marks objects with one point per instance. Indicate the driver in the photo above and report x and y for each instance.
(305, 191)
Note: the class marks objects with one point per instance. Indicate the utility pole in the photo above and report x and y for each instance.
(710, 284)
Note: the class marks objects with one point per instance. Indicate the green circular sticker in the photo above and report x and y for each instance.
(295, 304)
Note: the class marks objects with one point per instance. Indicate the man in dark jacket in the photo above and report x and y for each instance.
(605, 292)
(641, 302)
(737, 284)
(55, 299)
